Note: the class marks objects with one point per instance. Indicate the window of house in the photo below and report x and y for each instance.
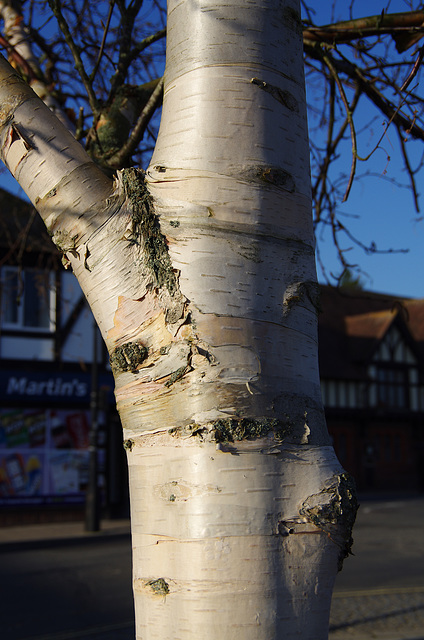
(27, 299)
(392, 387)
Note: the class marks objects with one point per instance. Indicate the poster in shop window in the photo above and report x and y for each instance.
(43, 456)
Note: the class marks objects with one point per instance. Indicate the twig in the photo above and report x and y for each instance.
(414, 70)
(392, 119)
(55, 6)
(102, 46)
(322, 176)
(368, 87)
(410, 171)
(349, 118)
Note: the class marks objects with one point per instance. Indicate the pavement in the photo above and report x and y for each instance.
(380, 592)
(40, 535)
(387, 612)
(384, 614)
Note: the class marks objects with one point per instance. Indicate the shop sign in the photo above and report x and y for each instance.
(44, 386)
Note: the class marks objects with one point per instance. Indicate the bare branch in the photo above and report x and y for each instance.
(102, 46)
(410, 171)
(406, 28)
(414, 70)
(55, 6)
(328, 61)
(368, 86)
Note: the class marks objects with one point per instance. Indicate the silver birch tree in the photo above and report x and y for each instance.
(200, 273)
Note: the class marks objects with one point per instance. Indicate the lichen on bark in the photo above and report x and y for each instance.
(159, 586)
(333, 510)
(145, 231)
(236, 429)
(226, 430)
(128, 357)
(146, 228)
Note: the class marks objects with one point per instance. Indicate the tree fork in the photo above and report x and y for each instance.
(201, 275)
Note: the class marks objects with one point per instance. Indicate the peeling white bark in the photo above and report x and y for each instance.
(202, 280)
(17, 36)
(222, 547)
(230, 183)
(212, 526)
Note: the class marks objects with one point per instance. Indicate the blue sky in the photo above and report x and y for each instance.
(376, 211)
(380, 212)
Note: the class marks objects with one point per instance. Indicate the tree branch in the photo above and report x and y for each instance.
(354, 73)
(329, 63)
(55, 6)
(102, 45)
(406, 28)
(126, 151)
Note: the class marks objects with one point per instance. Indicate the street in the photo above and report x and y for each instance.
(81, 589)
(380, 592)
(78, 590)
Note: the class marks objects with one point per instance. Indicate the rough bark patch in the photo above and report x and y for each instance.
(146, 227)
(128, 357)
(333, 510)
(268, 175)
(146, 232)
(238, 429)
(281, 95)
(298, 291)
(292, 20)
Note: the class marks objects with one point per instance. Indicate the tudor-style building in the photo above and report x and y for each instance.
(371, 357)
(47, 334)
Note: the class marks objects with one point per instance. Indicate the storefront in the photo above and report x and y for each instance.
(44, 437)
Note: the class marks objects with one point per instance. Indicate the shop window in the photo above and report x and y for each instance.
(392, 388)
(27, 299)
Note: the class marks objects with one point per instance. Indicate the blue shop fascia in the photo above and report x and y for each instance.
(44, 435)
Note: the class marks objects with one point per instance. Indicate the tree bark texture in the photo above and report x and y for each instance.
(20, 53)
(201, 275)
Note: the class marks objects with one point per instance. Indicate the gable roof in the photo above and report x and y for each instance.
(353, 324)
(369, 325)
(365, 331)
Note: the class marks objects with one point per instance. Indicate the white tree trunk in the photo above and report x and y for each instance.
(201, 276)
(17, 36)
